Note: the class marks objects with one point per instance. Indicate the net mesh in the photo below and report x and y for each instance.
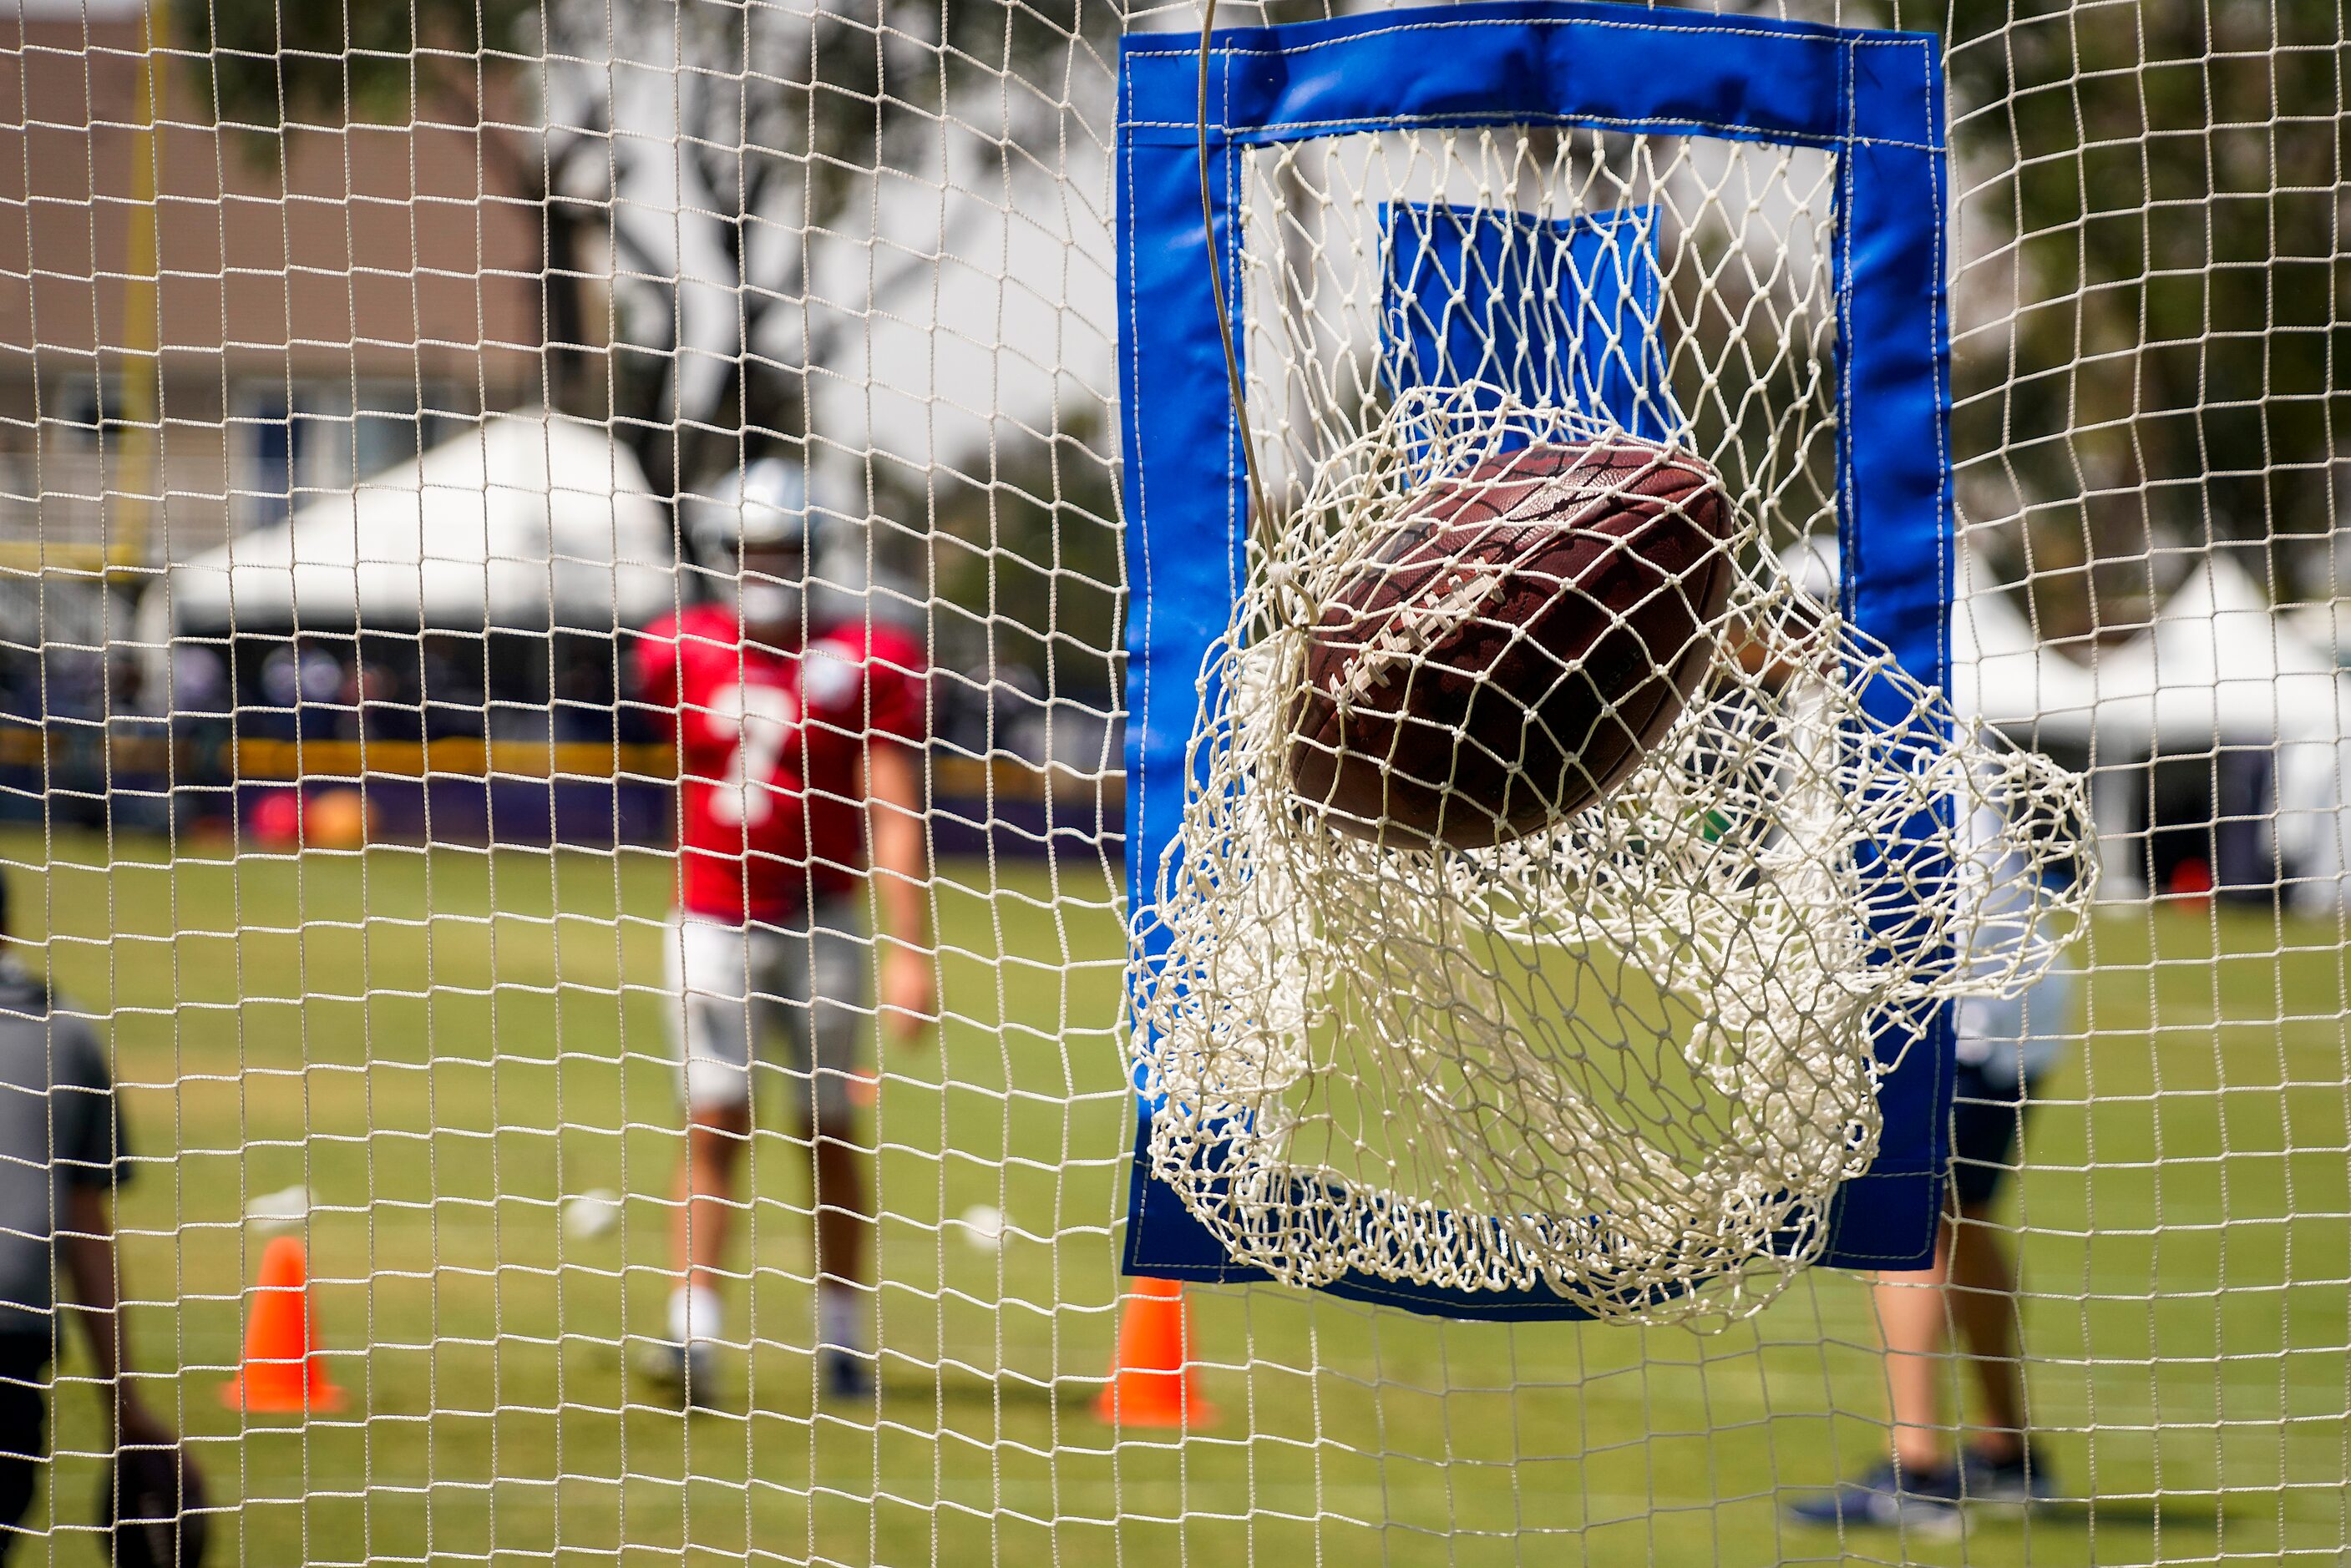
(1628, 1056)
(364, 902)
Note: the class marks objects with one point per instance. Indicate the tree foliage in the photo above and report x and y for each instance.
(265, 64)
(739, 174)
(709, 150)
(2150, 196)
(725, 148)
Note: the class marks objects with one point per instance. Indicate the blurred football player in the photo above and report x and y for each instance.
(64, 1152)
(799, 784)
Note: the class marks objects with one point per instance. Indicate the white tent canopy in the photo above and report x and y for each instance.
(2218, 667)
(526, 521)
(2000, 673)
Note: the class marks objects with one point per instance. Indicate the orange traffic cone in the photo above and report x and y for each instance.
(1152, 1382)
(282, 1368)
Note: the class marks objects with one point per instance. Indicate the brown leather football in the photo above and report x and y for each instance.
(1509, 653)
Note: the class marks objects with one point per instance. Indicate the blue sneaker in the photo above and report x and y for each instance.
(1887, 1498)
(2024, 1479)
(844, 1376)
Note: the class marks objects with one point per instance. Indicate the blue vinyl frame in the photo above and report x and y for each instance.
(1875, 99)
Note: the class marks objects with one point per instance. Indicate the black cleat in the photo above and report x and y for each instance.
(688, 1374)
(844, 1376)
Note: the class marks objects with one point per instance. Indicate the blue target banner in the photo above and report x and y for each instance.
(1873, 98)
(1560, 312)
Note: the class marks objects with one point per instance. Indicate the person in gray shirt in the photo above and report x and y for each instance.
(62, 1154)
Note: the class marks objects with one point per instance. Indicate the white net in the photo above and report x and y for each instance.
(1629, 1055)
(358, 366)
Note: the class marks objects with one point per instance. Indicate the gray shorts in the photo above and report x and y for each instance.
(797, 990)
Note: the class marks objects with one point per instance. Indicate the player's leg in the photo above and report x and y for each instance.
(1984, 1308)
(703, 1216)
(1967, 1293)
(709, 969)
(24, 1449)
(1914, 1319)
(1920, 1486)
(1999, 1462)
(2022, 1037)
(1916, 1488)
(828, 1033)
(1968, 1296)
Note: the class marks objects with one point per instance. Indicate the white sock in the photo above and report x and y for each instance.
(694, 1314)
(839, 1316)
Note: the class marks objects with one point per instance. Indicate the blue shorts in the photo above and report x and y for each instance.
(1987, 1120)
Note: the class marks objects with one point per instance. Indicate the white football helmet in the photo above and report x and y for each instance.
(763, 502)
(762, 505)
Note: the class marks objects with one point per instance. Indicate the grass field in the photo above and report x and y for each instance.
(442, 1046)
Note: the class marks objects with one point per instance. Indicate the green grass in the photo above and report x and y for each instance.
(442, 1046)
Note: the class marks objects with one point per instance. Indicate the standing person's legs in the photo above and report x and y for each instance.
(1984, 1307)
(1970, 1296)
(1968, 1293)
(1987, 1126)
(705, 1207)
(711, 968)
(23, 1446)
(1914, 1321)
(1999, 1461)
(827, 1027)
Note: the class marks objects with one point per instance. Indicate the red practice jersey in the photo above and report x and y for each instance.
(771, 746)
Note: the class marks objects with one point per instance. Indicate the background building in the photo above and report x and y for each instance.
(316, 304)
